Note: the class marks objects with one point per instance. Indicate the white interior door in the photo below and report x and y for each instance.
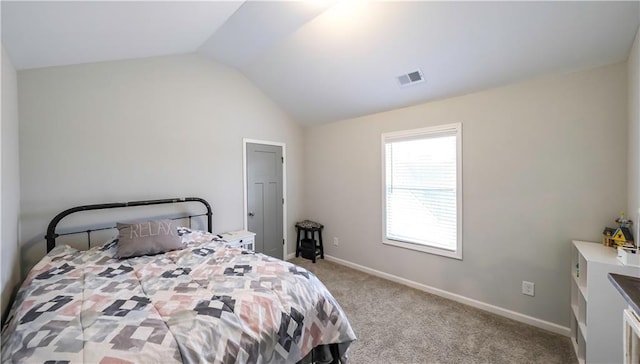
(265, 197)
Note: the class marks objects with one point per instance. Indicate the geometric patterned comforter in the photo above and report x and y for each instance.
(207, 303)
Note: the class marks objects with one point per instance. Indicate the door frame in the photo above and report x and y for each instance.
(245, 175)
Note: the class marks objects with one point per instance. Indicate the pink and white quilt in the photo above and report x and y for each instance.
(206, 303)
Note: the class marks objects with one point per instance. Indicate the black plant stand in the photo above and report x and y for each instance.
(306, 244)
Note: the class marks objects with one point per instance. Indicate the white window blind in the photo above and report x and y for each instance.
(421, 187)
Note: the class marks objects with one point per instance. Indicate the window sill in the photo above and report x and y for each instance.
(425, 249)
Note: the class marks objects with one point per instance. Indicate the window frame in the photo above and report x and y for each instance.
(423, 133)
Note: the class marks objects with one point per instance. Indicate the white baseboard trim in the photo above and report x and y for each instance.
(545, 325)
(290, 256)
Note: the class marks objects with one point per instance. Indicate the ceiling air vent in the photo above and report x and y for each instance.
(411, 78)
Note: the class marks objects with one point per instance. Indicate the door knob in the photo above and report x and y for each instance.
(251, 214)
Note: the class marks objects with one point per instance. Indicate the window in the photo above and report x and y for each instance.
(422, 189)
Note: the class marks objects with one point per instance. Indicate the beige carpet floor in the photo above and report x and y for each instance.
(399, 324)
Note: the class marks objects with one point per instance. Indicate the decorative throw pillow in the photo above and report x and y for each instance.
(147, 238)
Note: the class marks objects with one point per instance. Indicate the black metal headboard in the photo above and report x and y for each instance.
(51, 230)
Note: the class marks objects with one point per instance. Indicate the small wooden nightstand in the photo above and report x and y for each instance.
(241, 238)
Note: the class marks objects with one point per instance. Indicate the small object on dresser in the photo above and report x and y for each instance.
(629, 256)
(620, 236)
(607, 236)
(623, 221)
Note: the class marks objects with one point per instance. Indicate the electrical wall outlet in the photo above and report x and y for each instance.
(528, 288)
(336, 241)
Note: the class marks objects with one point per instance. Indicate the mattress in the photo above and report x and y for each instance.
(206, 303)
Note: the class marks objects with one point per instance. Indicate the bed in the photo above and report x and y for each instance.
(205, 302)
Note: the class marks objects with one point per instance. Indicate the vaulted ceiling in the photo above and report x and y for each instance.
(323, 61)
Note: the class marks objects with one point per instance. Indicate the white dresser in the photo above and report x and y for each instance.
(596, 306)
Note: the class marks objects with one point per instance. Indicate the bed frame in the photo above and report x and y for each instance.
(327, 353)
(51, 229)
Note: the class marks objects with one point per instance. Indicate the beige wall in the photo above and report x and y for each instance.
(633, 188)
(150, 128)
(10, 181)
(539, 165)
(543, 163)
